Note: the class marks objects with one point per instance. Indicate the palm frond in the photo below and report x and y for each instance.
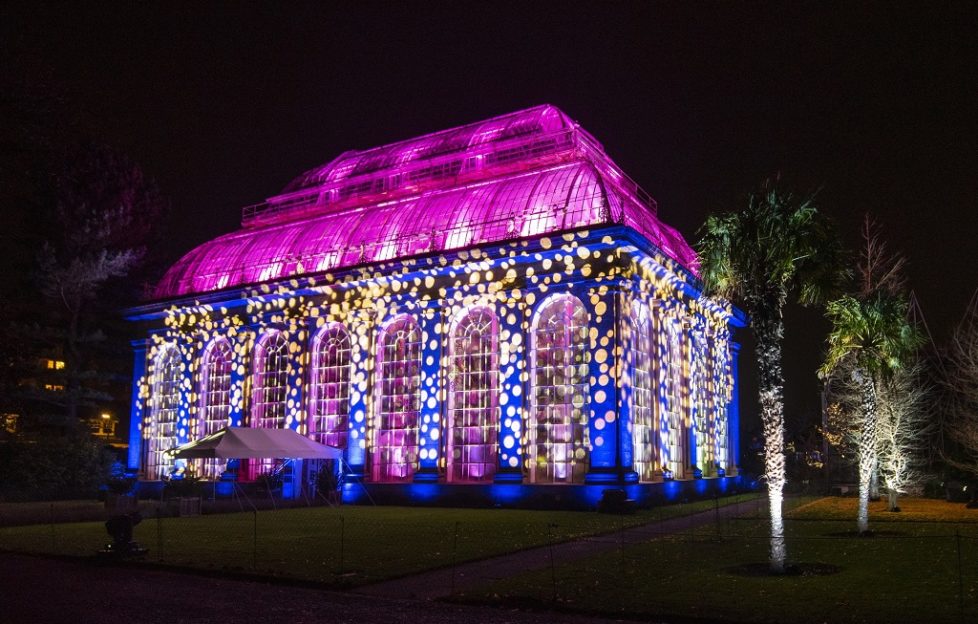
(875, 330)
(780, 242)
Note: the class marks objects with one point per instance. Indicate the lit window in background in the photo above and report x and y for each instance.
(330, 404)
(164, 408)
(643, 413)
(271, 387)
(215, 400)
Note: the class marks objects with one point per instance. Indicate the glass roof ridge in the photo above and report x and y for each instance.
(551, 178)
(484, 149)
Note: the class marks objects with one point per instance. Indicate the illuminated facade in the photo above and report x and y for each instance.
(488, 305)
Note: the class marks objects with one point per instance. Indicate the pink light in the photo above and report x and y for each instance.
(528, 173)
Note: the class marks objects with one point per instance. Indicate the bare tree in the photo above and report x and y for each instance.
(878, 269)
(872, 338)
(904, 426)
(105, 210)
(960, 381)
(904, 429)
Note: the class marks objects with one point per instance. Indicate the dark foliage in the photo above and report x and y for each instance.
(58, 468)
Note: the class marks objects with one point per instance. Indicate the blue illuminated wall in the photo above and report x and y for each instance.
(610, 270)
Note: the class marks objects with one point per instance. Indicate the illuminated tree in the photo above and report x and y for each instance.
(105, 209)
(777, 245)
(871, 346)
(874, 338)
(904, 429)
(904, 424)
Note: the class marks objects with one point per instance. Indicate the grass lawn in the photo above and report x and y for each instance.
(340, 546)
(907, 573)
(48, 511)
(45, 512)
(911, 510)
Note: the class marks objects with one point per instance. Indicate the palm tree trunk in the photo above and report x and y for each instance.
(867, 448)
(769, 330)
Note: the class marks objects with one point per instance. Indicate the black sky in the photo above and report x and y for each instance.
(876, 104)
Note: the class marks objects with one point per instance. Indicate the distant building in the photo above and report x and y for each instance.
(494, 304)
(103, 426)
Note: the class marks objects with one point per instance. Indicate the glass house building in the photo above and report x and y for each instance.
(488, 313)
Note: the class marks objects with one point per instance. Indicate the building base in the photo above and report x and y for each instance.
(527, 496)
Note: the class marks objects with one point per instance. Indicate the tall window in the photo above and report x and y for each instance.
(394, 445)
(330, 404)
(165, 407)
(215, 399)
(721, 362)
(672, 372)
(644, 445)
(473, 395)
(701, 402)
(558, 436)
(270, 390)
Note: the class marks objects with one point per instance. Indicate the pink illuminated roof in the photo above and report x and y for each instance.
(519, 175)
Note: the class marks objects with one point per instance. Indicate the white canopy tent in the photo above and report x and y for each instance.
(249, 443)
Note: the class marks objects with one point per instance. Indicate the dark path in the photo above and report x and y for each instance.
(438, 583)
(42, 590)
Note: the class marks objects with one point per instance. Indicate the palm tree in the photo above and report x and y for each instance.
(779, 244)
(876, 337)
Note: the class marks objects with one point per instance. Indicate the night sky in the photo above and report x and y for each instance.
(876, 106)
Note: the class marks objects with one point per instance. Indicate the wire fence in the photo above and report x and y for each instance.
(902, 571)
(684, 559)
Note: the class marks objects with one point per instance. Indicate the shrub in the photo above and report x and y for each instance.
(59, 468)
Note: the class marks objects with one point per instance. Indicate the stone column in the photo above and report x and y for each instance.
(513, 400)
(733, 412)
(603, 304)
(137, 403)
(430, 416)
(362, 329)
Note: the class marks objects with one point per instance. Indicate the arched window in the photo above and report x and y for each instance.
(644, 445)
(473, 396)
(558, 435)
(164, 411)
(215, 399)
(672, 372)
(394, 444)
(330, 401)
(269, 400)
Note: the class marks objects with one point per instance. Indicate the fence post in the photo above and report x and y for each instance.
(454, 559)
(957, 542)
(621, 539)
(159, 532)
(342, 538)
(51, 524)
(553, 565)
(254, 539)
(716, 514)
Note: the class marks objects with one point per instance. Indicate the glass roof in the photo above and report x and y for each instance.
(464, 139)
(541, 174)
